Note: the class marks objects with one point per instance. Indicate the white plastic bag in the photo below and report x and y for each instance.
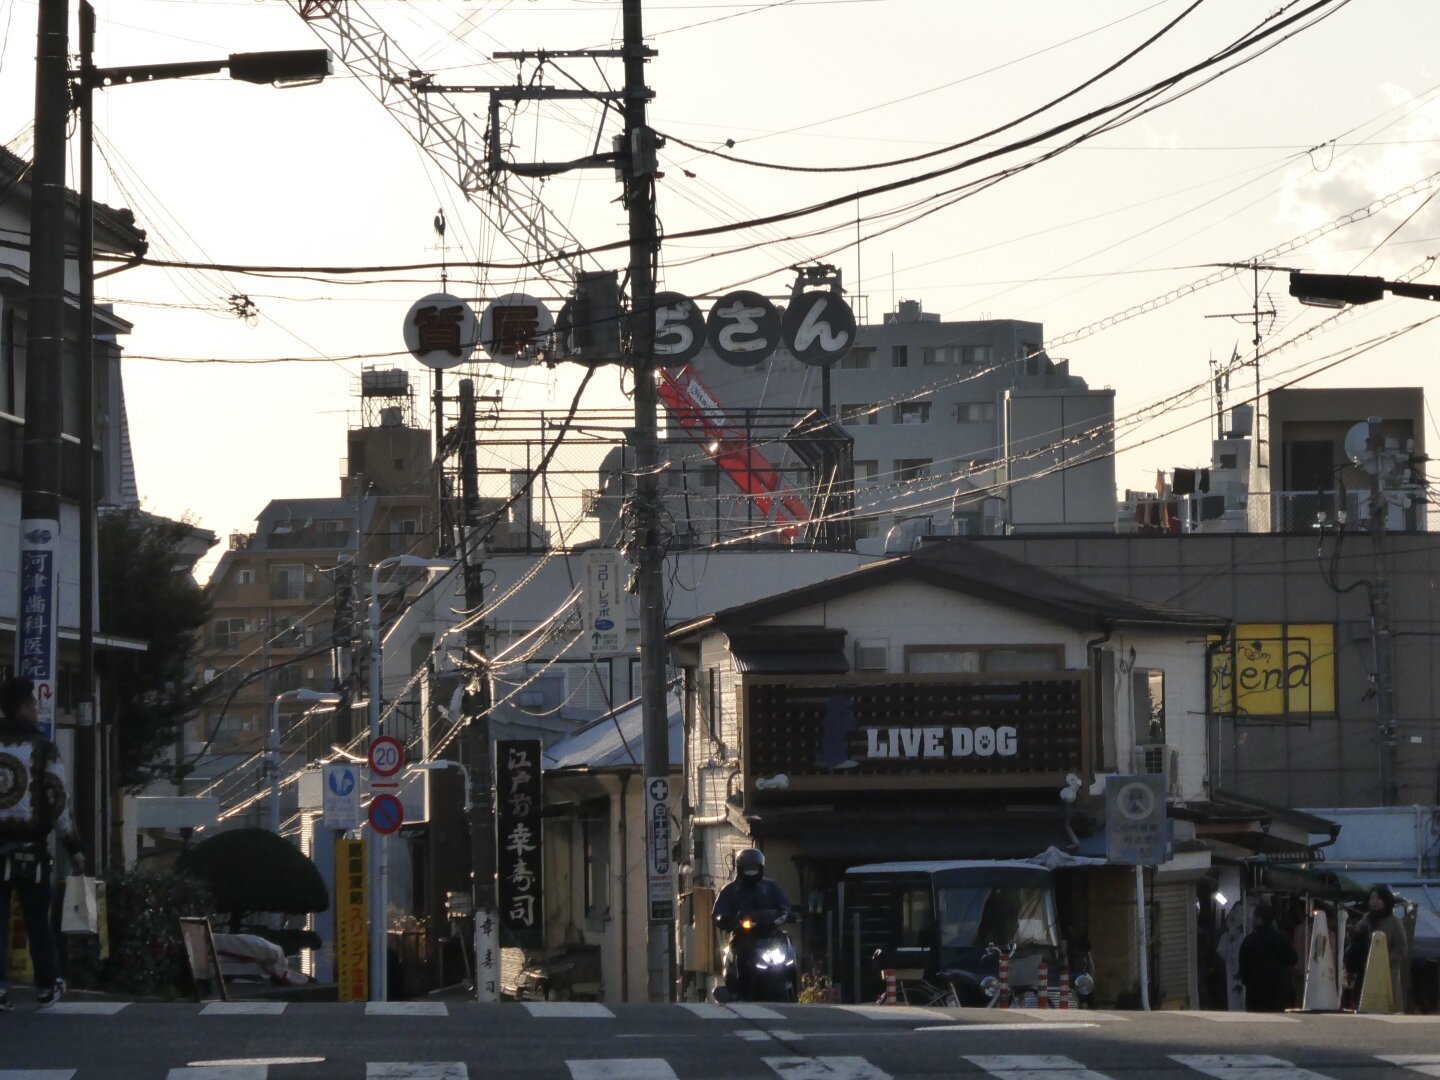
(81, 915)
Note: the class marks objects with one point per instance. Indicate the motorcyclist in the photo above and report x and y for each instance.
(751, 891)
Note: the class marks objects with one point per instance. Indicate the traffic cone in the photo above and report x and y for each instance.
(1042, 995)
(1322, 992)
(1376, 996)
(1065, 987)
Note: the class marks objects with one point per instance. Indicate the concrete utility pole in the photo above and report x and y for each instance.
(1381, 644)
(477, 736)
(639, 158)
(37, 613)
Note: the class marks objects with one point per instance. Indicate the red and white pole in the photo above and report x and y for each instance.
(1003, 993)
(1042, 995)
(892, 986)
(1065, 987)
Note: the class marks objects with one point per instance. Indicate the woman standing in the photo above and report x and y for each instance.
(1382, 920)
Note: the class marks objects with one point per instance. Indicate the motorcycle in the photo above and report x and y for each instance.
(759, 959)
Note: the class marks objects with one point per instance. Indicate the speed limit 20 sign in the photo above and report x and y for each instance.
(387, 756)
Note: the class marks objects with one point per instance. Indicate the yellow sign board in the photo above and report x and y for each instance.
(352, 945)
(1273, 670)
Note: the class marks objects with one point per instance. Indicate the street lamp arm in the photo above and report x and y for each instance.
(117, 76)
(285, 67)
(1415, 290)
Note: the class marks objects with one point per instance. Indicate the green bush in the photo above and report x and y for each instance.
(147, 955)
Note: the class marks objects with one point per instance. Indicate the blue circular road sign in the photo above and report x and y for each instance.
(386, 814)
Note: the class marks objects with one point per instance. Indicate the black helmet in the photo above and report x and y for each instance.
(750, 865)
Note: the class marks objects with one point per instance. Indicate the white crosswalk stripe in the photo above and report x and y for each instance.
(243, 1008)
(738, 1011)
(1424, 1064)
(1245, 1067)
(892, 1012)
(825, 1068)
(406, 1008)
(1242, 1017)
(219, 1072)
(36, 1074)
(83, 1008)
(569, 1010)
(621, 1069)
(1033, 1067)
(416, 1070)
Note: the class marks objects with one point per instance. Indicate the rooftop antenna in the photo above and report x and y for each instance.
(1254, 315)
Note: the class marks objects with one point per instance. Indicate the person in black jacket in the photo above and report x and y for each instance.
(1266, 957)
(32, 803)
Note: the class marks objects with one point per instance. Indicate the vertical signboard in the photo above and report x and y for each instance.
(1135, 827)
(603, 603)
(658, 846)
(351, 923)
(520, 858)
(341, 797)
(35, 623)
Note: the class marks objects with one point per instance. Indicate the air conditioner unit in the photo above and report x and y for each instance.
(1158, 759)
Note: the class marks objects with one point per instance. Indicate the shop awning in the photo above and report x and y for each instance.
(1316, 882)
(789, 650)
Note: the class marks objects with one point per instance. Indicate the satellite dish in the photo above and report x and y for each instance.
(1357, 447)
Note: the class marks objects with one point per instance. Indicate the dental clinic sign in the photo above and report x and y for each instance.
(918, 732)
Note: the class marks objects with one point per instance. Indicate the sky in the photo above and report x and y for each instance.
(1256, 162)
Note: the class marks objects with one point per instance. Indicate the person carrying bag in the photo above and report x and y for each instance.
(33, 801)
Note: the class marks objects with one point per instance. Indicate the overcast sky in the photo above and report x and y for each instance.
(1342, 114)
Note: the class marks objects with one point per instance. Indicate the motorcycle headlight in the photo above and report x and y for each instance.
(773, 957)
(990, 985)
(1084, 984)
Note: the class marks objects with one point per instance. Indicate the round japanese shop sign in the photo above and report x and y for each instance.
(387, 755)
(679, 329)
(819, 327)
(514, 327)
(743, 328)
(386, 814)
(441, 331)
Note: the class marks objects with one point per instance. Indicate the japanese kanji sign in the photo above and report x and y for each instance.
(351, 925)
(603, 603)
(520, 856)
(441, 330)
(1135, 827)
(35, 624)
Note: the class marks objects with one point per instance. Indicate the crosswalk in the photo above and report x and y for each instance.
(824, 1067)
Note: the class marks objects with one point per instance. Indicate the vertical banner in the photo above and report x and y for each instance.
(603, 603)
(520, 857)
(352, 944)
(36, 620)
(658, 846)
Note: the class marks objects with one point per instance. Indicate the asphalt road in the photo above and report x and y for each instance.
(449, 1041)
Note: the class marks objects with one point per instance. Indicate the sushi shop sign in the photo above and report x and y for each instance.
(813, 733)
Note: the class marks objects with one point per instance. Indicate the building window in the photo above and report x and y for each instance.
(858, 357)
(247, 576)
(912, 468)
(912, 412)
(872, 656)
(866, 528)
(1147, 687)
(866, 471)
(917, 921)
(1229, 461)
(935, 355)
(711, 699)
(982, 659)
(595, 837)
(975, 412)
(228, 632)
(859, 413)
(287, 582)
(975, 354)
(899, 355)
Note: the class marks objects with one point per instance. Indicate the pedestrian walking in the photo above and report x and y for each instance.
(33, 802)
(1266, 959)
(1382, 919)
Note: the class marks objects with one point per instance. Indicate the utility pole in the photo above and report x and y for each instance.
(1381, 644)
(639, 159)
(37, 612)
(477, 735)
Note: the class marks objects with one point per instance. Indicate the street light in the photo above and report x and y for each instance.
(272, 741)
(1342, 290)
(375, 855)
(292, 67)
